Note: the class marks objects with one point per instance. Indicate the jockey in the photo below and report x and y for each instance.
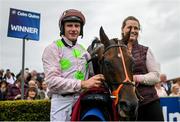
(65, 66)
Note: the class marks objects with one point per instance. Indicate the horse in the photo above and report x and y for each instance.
(112, 59)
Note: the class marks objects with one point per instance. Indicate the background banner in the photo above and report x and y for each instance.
(24, 24)
(171, 108)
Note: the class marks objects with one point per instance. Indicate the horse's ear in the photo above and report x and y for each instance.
(103, 37)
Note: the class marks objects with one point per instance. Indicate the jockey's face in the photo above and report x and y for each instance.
(72, 30)
(134, 29)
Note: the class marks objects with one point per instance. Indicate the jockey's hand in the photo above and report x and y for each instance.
(95, 81)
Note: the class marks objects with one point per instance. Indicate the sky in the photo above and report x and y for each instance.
(159, 19)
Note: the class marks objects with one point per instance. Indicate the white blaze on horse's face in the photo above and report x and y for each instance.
(119, 55)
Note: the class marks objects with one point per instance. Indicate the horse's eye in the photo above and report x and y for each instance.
(107, 63)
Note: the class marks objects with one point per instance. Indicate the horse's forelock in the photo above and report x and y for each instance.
(96, 40)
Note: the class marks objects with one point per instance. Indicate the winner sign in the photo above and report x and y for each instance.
(24, 24)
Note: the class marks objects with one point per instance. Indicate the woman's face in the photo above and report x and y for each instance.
(44, 85)
(3, 87)
(32, 94)
(134, 26)
(175, 90)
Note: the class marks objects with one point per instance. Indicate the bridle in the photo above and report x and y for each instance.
(127, 80)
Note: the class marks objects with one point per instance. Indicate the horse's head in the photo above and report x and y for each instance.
(116, 65)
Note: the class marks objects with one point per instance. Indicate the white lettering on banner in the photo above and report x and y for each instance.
(172, 116)
(165, 113)
(30, 15)
(24, 29)
(33, 16)
(21, 14)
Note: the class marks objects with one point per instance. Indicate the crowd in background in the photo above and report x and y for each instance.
(166, 87)
(34, 84)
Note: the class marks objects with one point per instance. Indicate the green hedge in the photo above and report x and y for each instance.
(25, 110)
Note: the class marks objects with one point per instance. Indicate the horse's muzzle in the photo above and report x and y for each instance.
(128, 110)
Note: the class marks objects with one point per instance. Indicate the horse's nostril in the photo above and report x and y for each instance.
(128, 107)
(124, 105)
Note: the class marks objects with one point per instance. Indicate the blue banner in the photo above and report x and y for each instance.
(24, 24)
(171, 108)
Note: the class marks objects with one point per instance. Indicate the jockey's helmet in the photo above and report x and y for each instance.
(71, 15)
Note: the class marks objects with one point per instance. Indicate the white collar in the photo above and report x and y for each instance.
(67, 41)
